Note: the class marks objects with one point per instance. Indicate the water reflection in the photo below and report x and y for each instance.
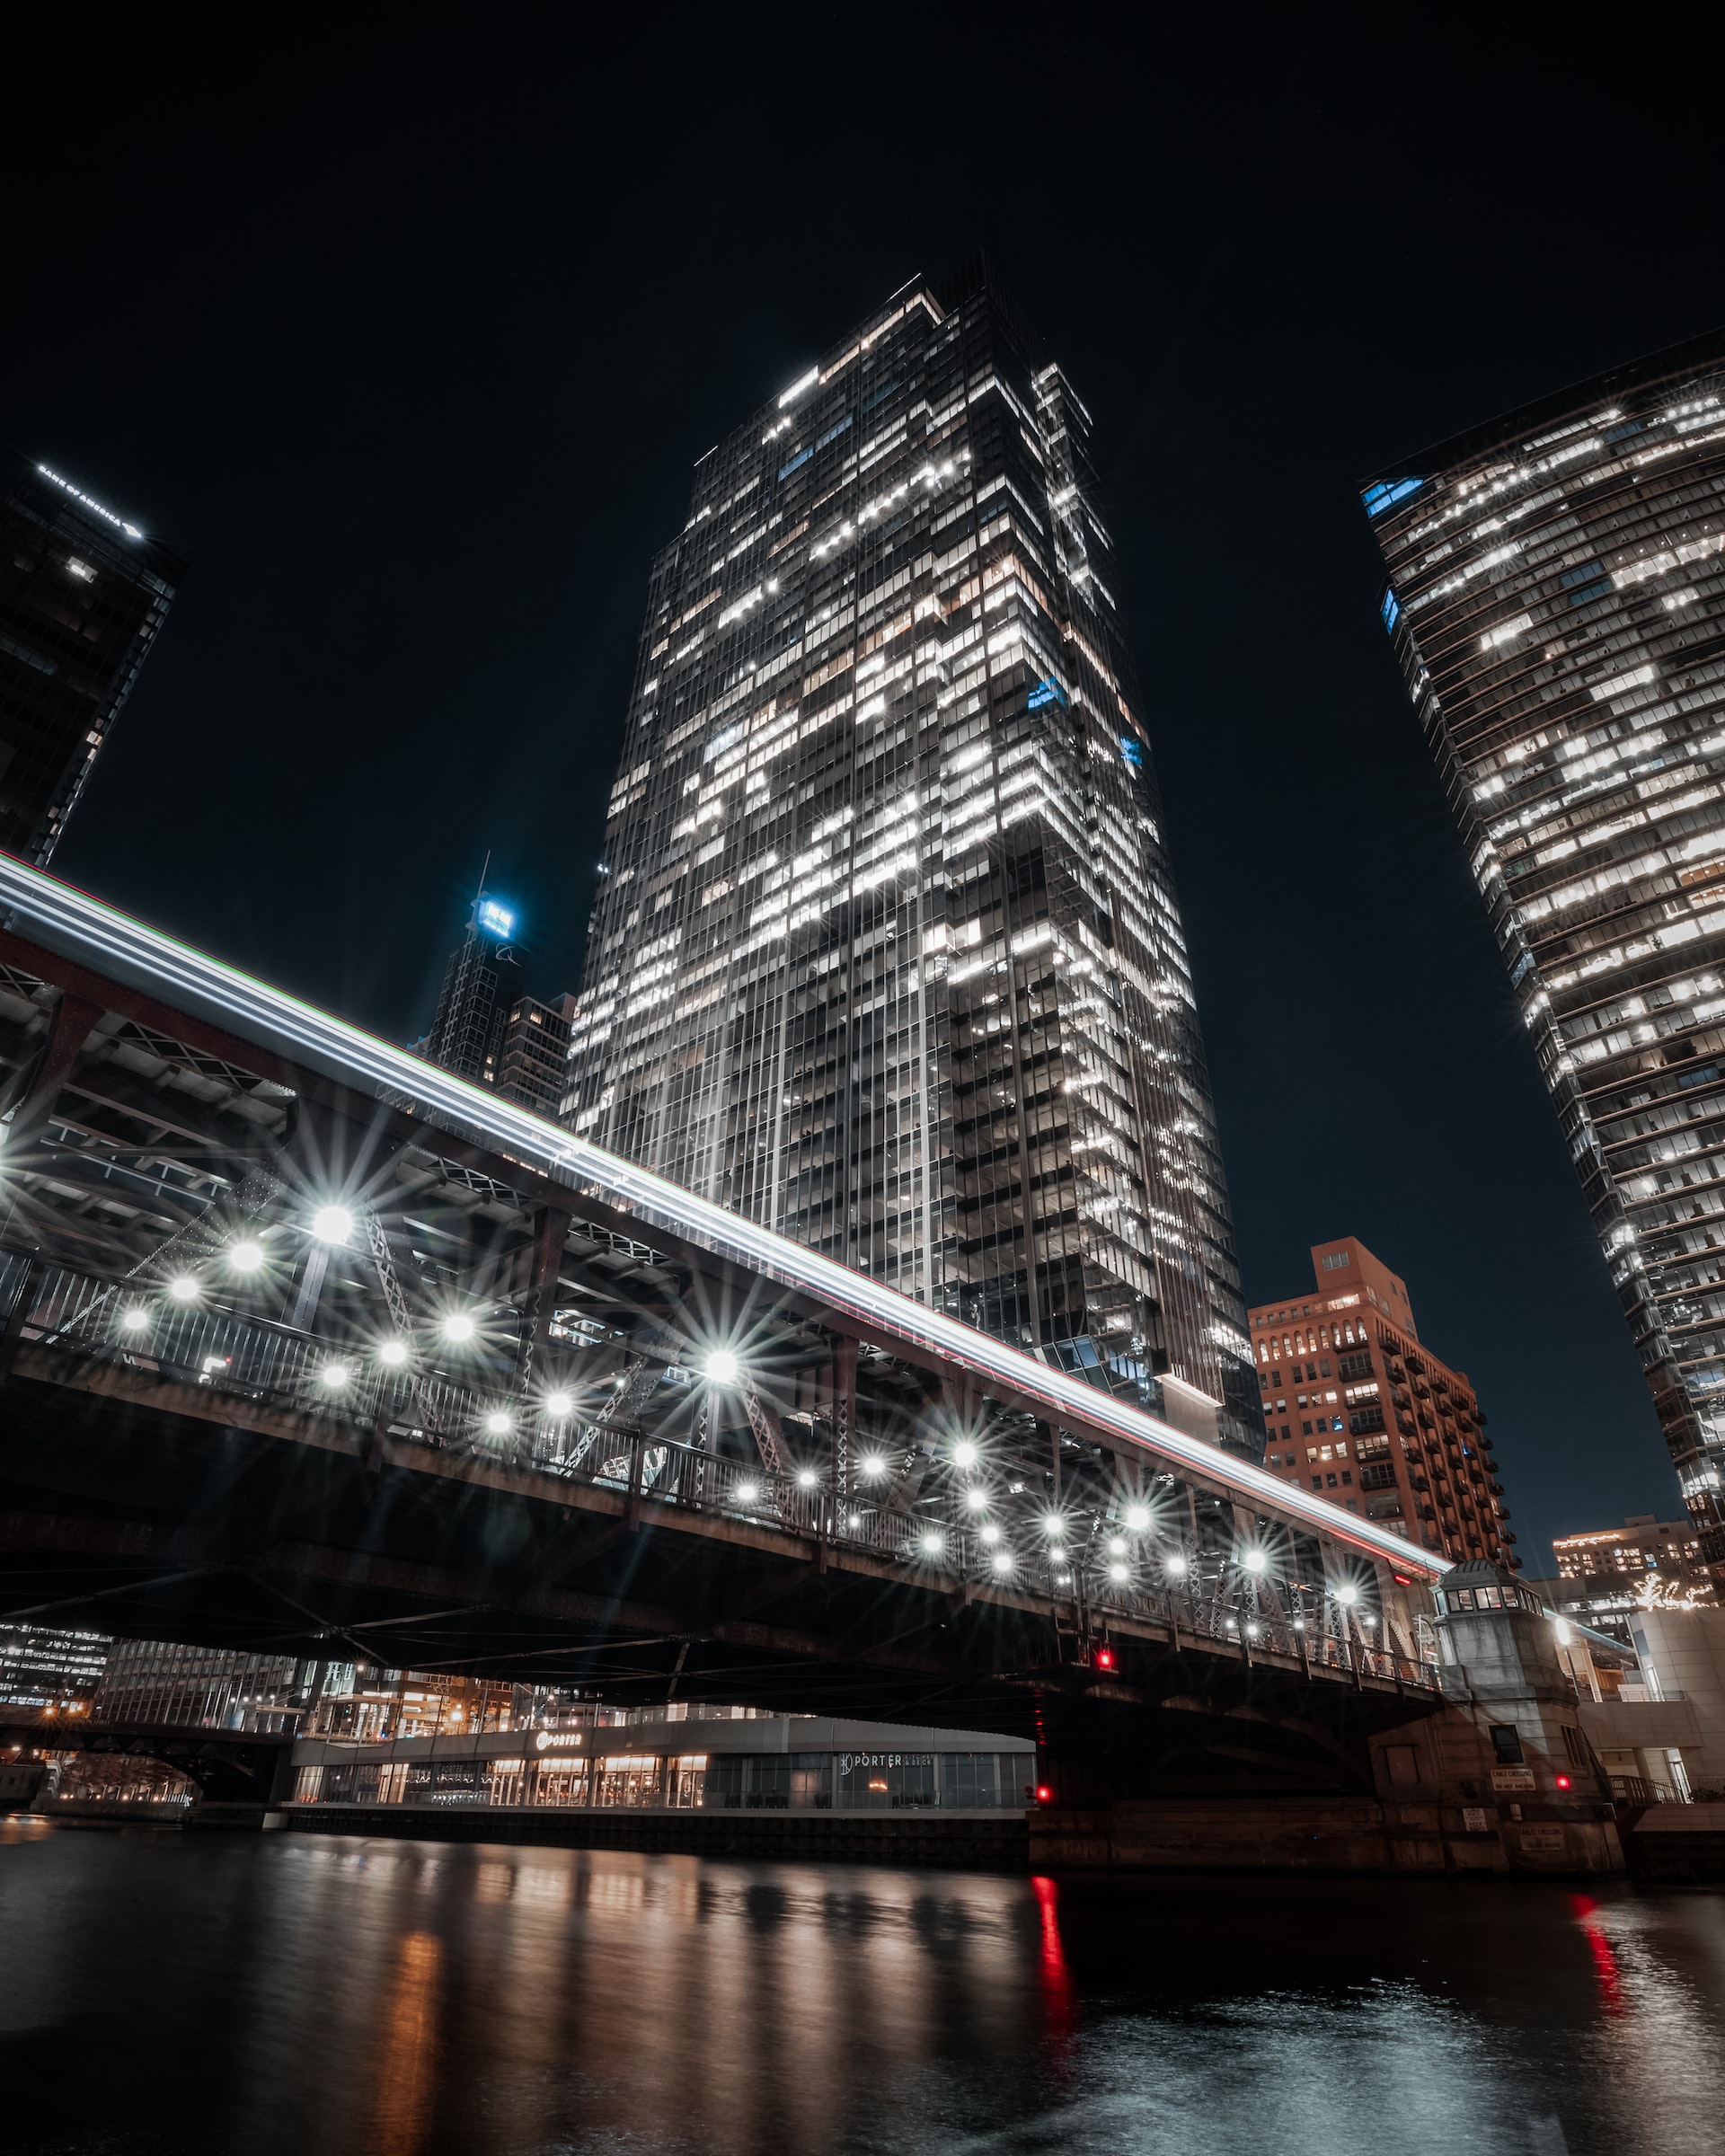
(295, 1993)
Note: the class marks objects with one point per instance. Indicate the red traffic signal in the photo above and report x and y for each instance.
(1044, 1794)
(1104, 1657)
(1563, 1782)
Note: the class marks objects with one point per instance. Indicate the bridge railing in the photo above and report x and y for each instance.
(139, 1325)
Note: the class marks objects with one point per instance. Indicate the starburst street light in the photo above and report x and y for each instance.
(1137, 1517)
(134, 1318)
(458, 1327)
(335, 1375)
(872, 1467)
(721, 1367)
(1003, 1562)
(183, 1288)
(807, 1478)
(1347, 1595)
(749, 1493)
(976, 1500)
(499, 1423)
(1175, 1567)
(934, 1542)
(559, 1404)
(245, 1256)
(332, 1224)
(394, 1352)
(1254, 1560)
(965, 1454)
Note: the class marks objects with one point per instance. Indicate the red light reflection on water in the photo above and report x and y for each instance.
(1057, 1982)
(1612, 1997)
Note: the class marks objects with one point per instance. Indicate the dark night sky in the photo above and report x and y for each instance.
(409, 344)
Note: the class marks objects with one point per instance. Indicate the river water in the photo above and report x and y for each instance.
(165, 1992)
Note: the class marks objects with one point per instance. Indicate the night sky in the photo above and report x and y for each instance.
(409, 343)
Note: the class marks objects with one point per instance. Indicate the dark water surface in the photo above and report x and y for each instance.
(292, 1992)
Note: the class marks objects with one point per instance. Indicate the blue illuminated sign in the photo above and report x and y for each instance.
(1132, 751)
(1391, 610)
(1044, 692)
(495, 919)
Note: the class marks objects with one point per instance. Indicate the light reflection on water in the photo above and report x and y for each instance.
(287, 1993)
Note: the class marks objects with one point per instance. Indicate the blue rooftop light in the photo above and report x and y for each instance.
(494, 919)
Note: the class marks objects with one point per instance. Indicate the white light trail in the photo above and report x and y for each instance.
(77, 927)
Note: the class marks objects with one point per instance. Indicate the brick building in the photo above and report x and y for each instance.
(1356, 1407)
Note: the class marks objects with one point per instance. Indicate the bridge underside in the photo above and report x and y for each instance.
(153, 1522)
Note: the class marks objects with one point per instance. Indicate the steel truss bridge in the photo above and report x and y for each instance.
(310, 1348)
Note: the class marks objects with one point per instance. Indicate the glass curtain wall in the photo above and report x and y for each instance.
(1557, 602)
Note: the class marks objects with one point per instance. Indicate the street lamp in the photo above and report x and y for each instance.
(332, 1224)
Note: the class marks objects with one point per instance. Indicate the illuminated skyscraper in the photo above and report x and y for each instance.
(887, 954)
(82, 594)
(1557, 599)
(481, 986)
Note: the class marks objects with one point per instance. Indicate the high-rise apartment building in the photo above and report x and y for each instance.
(482, 985)
(1357, 1407)
(82, 594)
(1557, 601)
(887, 955)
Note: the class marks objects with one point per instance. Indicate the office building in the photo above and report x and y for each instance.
(482, 985)
(532, 1056)
(42, 1666)
(204, 1687)
(1557, 602)
(1356, 1405)
(1603, 1573)
(83, 597)
(887, 954)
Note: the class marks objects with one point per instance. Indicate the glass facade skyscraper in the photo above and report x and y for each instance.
(480, 983)
(82, 594)
(887, 954)
(1557, 600)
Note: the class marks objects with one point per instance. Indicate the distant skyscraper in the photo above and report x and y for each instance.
(1356, 1405)
(1557, 599)
(481, 986)
(43, 1667)
(888, 954)
(82, 594)
(532, 1054)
